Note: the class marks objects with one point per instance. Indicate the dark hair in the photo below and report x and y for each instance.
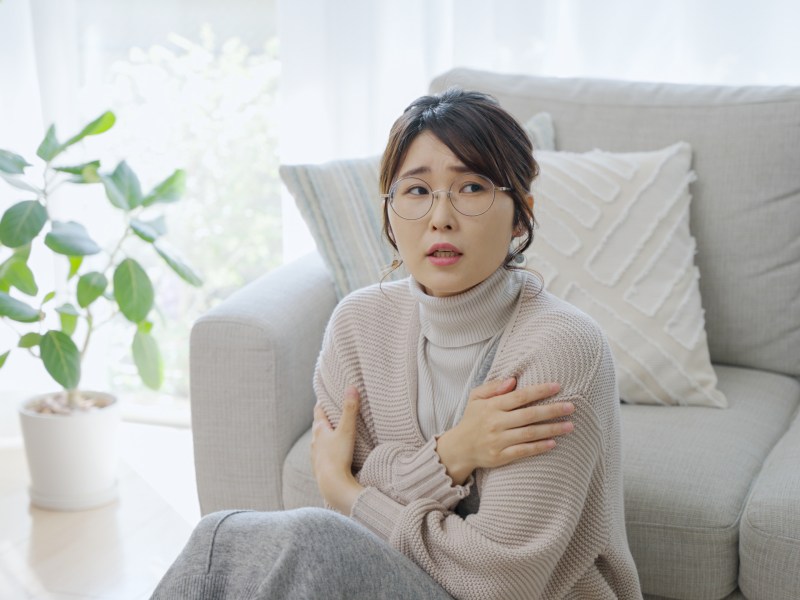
(486, 138)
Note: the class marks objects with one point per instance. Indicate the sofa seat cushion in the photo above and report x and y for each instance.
(687, 475)
(769, 535)
(299, 486)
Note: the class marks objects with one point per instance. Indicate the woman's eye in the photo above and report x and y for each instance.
(471, 188)
(417, 190)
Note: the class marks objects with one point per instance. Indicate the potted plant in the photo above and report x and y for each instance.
(70, 434)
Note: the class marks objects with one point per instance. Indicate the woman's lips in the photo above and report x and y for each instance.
(443, 255)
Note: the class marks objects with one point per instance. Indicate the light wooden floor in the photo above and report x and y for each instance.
(117, 552)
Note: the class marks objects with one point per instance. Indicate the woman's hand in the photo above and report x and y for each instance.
(332, 454)
(499, 427)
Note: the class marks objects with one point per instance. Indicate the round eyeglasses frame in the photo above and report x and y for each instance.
(449, 192)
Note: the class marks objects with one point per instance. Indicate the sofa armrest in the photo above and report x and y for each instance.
(252, 363)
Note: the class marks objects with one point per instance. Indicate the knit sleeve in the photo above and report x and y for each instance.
(331, 379)
(530, 512)
(406, 473)
(403, 472)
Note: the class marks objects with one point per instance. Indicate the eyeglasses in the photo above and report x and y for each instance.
(470, 194)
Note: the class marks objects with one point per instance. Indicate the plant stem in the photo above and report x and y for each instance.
(89, 330)
(72, 398)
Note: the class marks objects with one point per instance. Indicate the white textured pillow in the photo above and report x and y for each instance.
(340, 203)
(614, 240)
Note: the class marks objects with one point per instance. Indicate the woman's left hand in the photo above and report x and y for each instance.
(332, 454)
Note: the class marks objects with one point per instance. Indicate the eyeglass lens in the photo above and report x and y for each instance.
(470, 194)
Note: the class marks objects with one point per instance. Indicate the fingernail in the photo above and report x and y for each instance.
(554, 387)
(508, 381)
(569, 407)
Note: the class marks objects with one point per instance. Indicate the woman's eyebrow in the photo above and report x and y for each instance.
(425, 170)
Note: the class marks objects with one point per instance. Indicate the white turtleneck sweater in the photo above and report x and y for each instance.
(457, 336)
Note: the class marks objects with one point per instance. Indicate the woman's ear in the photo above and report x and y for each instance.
(520, 229)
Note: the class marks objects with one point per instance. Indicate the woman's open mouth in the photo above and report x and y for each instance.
(443, 255)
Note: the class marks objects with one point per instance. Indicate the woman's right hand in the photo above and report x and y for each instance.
(501, 425)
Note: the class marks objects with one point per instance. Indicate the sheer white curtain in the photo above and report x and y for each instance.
(36, 61)
(349, 68)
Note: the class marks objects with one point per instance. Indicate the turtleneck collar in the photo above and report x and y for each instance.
(472, 316)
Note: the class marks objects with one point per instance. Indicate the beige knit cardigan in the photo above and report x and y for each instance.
(549, 526)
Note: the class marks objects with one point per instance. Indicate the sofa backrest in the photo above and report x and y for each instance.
(745, 210)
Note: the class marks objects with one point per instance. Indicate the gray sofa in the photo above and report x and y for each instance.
(712, 496)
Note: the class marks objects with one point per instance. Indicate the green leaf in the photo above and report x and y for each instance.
(68, 309)
(148, 360)
(19, 184)
(101, 124)
(169, 190)
(75, 263)
(12, 163)
(145, 326)
(21, 223)
(17, 274)
(71, 239)
(49, 148)
(90, 287)
(84, 173)
(49, 296)
(133, 290)
(61, 358)
(23, 252)
(69, 318)
(68, 323)
(3, 358)
(16, 310)
(122, 187)
(178, 265)
(144, 230)
(29, 340)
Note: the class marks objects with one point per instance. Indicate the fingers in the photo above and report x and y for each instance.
(347, 424)
(493, 388)
(524, 396)
(518, 451)
(320, 419)
(535, 433)
(537, 413)
(349, 412)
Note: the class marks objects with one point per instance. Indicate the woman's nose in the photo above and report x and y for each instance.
(442, 211)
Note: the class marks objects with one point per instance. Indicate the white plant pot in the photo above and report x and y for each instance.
(72, 458)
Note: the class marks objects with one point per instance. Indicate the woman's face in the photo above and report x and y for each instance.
(471, 248)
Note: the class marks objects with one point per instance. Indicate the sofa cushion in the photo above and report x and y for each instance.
(745, 209)
(613, 240)
(687, 474)
(299, 486)
(769, 535)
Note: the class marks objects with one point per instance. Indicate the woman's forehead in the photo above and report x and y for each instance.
(426, 154)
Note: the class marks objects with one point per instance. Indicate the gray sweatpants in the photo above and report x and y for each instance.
(306, 554)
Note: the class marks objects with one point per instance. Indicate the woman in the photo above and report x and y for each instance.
(438, 406)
